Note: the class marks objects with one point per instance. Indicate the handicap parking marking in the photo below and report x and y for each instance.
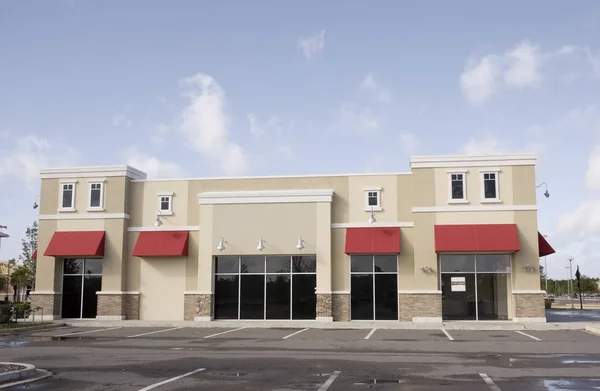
(88, 332)
(329, 381)
(225, 332)
(155, 332)
(294, 333)
(156, 385)
(528, 335)
(448, 335)
(489, 382)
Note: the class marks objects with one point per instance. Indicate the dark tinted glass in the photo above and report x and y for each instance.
(71, 297)
(362, 263)
(458, 263)
(278, 296)
(253, 264)
(227, 265)
(252, 305)
(304, 264)
(493, 263)
(457, 189)
(67, 200)
(386, 263)
(91, 285)
(73, 266)
(278, 264)
(361, 298)
(386, 297)
(226, 297)
(458, 296)
(304, 299)
(492, 296)
(490, 188)
(93, 266)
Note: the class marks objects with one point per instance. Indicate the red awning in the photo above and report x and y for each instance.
(373, 241)
(162, 244)
(34, 255)
(544, 247)
(476, 238)
(76, 244)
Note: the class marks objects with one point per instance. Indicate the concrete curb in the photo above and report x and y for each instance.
(593, 330)
(23, 330)
(21, 374)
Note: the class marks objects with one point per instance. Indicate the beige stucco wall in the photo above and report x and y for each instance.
(339, 261)
(422, 238)
(523, 191)
(145, 203)
(529, 253)
(45, 276)
(161, 289)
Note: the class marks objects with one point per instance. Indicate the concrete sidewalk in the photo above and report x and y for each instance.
(456, 325)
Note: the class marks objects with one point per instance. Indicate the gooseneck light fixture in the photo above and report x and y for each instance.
(372, 218)
(300, 245)
(158, 223)
(221, 245)
(546, 192)
(261, 244)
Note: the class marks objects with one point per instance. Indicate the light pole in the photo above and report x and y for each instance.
(571, 280)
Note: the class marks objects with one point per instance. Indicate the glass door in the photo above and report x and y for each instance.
(458, 297)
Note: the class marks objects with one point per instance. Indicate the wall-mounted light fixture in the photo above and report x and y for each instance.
(529, 268)
(372, 218)
(35, 204)
(261, 244)
(221, 245)
(300, 245)
(546, 192)
(158, 223)
(427, 269)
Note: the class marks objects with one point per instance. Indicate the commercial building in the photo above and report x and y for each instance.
(454, 238)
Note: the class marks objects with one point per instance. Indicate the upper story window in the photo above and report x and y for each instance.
(489, 186)
(67, 196)
(96, 199)
(373, 199)
(457, 184)
(165, 203)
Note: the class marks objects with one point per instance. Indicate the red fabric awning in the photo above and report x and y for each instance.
(544, 247)
(34, 255)
(373, 241)
(162, 244)
(476, 238)
(76, 244)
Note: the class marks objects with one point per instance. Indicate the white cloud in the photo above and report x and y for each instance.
(409, 141)
(478, 81)
(491, 145)
(151, 165)
(205, 124)
(30, 154)
(374, 89)
(523, 65)
(312, 46)
(582, 222)
(121, 120)
(592, 176)
(271, 126)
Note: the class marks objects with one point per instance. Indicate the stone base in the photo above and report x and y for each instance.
(118, 305)
(324, 319)
(420, 305)
(324, 305)
(427, 319)
(111, 317)
(49, 304)
(341, 307)
(197, 306)
(529, 305)
(203, 319)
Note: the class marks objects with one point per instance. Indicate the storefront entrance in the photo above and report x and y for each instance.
(271, 287)
(475, 286)
(82, 278)
(374, 287)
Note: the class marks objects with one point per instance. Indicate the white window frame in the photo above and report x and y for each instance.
(496, 172)
(61, 189)
(374, 208)
(169, 195)
(463, 200)
(102, 183)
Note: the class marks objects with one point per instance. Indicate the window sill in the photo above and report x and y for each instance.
(458, 201)
(165, 213)
(375, 208)
(95, 209)
(491, 201)
(67, 210)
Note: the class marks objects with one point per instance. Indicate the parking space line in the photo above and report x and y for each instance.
(225, 332)
(329, 381)
(154, 332)
(447, 334)
(292, 334)
(489, 382)
(153, 386)
(90, 331)
(370, 333)
(528, 335)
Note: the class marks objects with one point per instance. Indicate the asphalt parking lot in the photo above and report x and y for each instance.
(285, 359)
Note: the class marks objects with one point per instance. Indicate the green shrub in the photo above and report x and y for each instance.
(22, 309)
(5, 312)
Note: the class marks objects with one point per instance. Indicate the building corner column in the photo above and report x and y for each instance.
(46, 304)
(529, 306)
(324, 299)
(198, 306)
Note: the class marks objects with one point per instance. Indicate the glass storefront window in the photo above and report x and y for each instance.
(493, 263)
(374, 287)
(457, 263)
(82, 279)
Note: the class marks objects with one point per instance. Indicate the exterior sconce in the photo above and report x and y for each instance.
(546, 192)
(427, 269)
(372, 218)
(221, 245)
(158, 223)
(300, 245)
(35, 204)
(261, 244)
(529, 268)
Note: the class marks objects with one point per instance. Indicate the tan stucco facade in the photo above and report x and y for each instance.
(317, 210)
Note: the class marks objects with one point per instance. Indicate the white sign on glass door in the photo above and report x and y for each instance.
(458, 284)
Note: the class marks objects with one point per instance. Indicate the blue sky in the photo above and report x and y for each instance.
(267, 87)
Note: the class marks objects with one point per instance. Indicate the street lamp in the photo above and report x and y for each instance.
(571, 280)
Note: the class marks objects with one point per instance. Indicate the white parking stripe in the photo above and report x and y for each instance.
(489, 382)
(447, 335)
(153, 386)
(528, 335)
(370, 333)
(329, 381)
(292, 334)
(154, 332)
(87, 332)
(225, 332)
